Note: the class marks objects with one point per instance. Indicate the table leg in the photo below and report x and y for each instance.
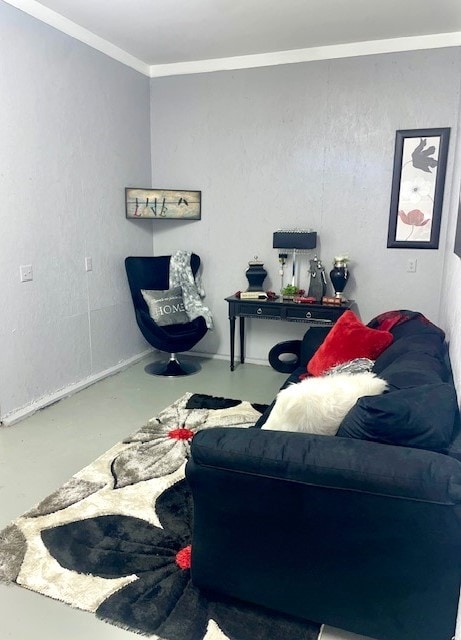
(232, 341)
(242, 339)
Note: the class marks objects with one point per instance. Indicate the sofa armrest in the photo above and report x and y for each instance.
(310, 342)
(337, 463)
(358, 535)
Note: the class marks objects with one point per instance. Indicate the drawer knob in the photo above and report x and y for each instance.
(259, 311)
(308, 314)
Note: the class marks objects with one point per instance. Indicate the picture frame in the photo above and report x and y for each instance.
(162, 204)
(457, 245)
(420, 164)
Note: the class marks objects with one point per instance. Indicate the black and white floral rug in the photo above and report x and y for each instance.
(115, 540)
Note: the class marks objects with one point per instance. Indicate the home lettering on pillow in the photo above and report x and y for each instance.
(166, 307)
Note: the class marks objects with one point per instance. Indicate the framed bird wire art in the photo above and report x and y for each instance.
(420, 163)
(162, 204)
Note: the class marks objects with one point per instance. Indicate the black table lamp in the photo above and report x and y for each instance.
(293, 241)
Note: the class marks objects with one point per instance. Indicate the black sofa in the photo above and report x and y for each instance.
(361, 531)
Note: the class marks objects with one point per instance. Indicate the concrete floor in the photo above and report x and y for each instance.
(40, 453)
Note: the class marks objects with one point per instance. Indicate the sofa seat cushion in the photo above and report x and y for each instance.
(422, 417)
(348, 339)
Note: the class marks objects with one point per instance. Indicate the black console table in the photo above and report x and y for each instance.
(316, 315)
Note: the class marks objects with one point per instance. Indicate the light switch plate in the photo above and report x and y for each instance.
(26, 273)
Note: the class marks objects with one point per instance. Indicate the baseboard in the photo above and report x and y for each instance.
(19, 414)
(24, 412)
(219, 356)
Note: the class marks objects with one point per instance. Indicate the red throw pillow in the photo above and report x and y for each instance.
(348, 339)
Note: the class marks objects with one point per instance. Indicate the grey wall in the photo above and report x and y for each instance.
(451, 291)
(74, 131)
(308, 145)
(298, 145)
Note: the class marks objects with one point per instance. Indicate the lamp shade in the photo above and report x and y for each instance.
(295, 239)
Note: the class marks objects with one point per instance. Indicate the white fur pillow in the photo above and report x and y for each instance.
(318, 405)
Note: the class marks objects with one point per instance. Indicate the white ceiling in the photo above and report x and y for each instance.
(159, 32)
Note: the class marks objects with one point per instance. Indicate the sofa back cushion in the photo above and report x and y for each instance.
(402, 323)
(422, 417)
(427, 344)
(413, 369)
(420, 407)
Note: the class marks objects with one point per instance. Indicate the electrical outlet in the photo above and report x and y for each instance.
(88, 264)
(25, 273)
(411, 265)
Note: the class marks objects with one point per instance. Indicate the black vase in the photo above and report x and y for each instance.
(256, 275)
(339, 276)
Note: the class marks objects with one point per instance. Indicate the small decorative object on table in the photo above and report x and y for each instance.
(339, 275)
(282, 261)
(256, 295)
(332, 300)
(317, 284)
(305, 300)
(253, 295)
(256, 275)
(291, 291)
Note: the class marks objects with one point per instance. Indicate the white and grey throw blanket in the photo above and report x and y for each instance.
(181, 276)
(358, 365)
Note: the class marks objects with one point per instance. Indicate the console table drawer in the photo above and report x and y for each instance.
(259, 310)
(305, 313)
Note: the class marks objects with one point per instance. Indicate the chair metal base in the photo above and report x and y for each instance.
(173, 368)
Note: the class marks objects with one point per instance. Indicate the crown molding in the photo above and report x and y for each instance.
(350, 50)
(53, 19)
(371, 47)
